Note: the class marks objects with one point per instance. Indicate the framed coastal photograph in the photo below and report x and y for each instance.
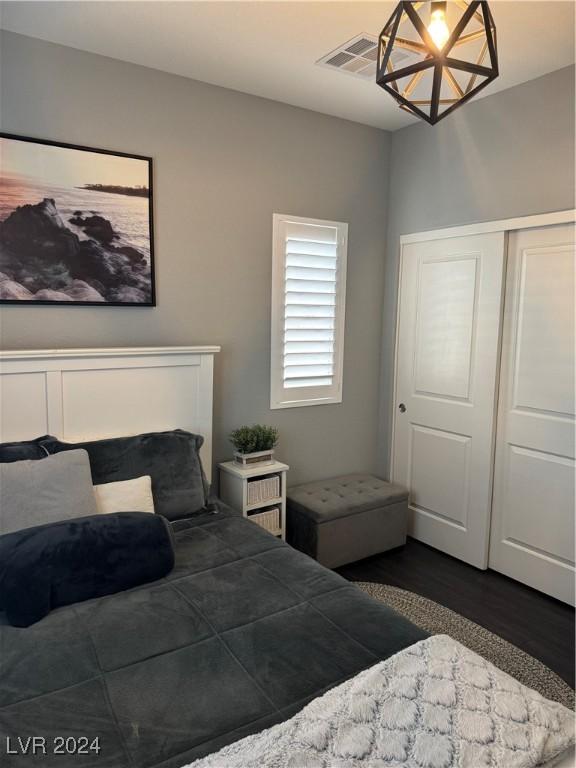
(75, 225)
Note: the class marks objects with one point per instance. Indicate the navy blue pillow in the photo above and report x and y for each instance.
(26, 449)
(61, 563)
(171, 459)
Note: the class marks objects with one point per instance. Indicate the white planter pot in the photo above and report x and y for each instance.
(254, 459)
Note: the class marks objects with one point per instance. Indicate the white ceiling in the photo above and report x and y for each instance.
(270, 48)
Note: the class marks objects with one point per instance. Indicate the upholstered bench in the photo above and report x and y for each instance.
(346, 518)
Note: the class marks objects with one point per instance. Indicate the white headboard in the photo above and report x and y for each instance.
(88, 394)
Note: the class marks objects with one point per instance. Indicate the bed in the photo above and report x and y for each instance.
(240, 635)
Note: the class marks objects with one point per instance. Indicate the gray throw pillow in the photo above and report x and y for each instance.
(171, 459)
(37, 492)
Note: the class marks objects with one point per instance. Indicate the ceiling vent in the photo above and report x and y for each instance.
(359, 56)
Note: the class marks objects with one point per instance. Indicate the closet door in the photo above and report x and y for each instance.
(532, 536)
(447, 358)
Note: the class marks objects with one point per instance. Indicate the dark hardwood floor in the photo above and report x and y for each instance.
(538, 624)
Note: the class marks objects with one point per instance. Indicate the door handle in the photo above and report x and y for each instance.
(402, 408)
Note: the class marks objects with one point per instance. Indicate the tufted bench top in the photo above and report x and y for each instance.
(342, 496)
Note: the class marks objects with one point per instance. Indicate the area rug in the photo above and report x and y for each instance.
(438, 620)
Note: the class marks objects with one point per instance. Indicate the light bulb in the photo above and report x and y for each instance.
(438, 29)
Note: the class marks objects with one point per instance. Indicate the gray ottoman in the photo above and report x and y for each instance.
(346, 518)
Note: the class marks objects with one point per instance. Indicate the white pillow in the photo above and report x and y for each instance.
(125, 496)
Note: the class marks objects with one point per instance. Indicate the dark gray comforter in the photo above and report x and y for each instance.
(242, 633)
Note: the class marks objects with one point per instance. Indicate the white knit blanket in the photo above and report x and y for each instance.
(433, 705)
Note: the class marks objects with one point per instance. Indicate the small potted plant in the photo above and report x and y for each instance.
(254, 445)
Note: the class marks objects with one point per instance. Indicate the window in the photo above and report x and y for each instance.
(308, 301)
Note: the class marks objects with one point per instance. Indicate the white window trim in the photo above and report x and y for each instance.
(281, 397)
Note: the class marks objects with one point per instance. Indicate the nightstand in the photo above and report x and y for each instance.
(259, 492)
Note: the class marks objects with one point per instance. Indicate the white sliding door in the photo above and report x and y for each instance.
(447, 360)
(532, 537)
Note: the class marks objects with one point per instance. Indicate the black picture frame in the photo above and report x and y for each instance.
(150, 180)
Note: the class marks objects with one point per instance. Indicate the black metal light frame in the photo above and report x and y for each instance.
(439, 60)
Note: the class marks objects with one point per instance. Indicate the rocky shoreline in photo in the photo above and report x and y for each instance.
(116, 189)
(41, 259)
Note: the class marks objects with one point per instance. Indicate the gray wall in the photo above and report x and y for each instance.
(224, 162)
(511, 154)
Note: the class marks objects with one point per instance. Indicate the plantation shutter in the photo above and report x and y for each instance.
(309, 274)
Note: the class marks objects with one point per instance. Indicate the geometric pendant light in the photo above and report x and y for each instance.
(434, 56)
